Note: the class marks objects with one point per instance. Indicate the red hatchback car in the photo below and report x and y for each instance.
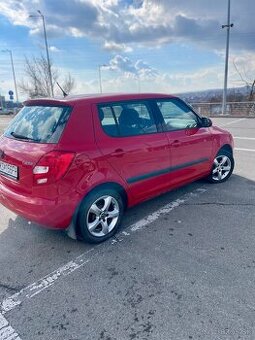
(83, 160)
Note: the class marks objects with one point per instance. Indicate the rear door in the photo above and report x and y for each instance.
(190, 145)
(127, 135)
(30, 135)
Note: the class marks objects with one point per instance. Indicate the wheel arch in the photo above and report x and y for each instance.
(73, 229)
(114, 186)
(226, 147)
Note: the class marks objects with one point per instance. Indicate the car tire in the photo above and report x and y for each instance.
(100, 215)
(222, 168)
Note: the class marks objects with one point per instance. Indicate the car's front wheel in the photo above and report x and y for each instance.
(100, 215)
(223, 166)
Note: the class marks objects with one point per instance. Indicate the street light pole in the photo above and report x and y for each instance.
(228, 26)
(100, 77)
(139, 83)
(47, 52)
(13, 74)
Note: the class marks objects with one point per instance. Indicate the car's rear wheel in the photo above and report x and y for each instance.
(223, 166)
(100, 215)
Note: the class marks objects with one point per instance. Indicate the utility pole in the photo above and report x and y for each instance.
(228, 26)
(46, 48)
(13, 74)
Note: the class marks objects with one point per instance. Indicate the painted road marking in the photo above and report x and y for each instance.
(245, 138)
(49, 280)
(233, 121)
(154, 216)
(6, 330)
(141, 224)
(241, 149)
(44, 283)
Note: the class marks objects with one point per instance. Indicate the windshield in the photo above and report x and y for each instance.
(40, 124)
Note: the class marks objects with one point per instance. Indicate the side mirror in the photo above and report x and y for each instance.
(206, 122)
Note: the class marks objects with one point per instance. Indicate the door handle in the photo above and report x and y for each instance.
(118, 153)
(176, 143)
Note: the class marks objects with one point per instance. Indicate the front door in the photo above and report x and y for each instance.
(190, 144)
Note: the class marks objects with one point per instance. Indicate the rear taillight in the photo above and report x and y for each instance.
(52, 166)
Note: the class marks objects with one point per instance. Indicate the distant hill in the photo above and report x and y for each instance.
(215, 95)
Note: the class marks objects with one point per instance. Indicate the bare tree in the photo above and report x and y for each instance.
(69, 83)
(37, 83)
(248, 81)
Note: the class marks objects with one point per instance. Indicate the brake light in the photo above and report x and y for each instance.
(52, 166)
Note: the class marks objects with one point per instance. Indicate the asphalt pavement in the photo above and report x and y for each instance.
(182, 266)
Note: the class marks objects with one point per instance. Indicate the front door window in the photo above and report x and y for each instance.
(177, 115)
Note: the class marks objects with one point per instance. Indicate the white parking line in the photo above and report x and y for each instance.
(245, 138)
(44, 283)
(6, 331)
(154, 216)
(49, 280)
(234, 121)
(242, 149)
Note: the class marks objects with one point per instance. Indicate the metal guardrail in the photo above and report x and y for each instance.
(233, 109)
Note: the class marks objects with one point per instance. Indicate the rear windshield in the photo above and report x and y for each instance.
(40, 124)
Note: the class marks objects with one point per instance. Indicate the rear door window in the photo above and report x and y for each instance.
(40, 124)
(127, 119)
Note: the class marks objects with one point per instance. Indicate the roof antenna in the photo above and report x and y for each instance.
(64, 93)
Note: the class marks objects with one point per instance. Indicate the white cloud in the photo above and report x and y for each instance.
(123, 26)
(122, 64)
(138, 69)
(113, 47)
(243, 68)
(54, 49)
(126, 75)
(119, 24)
(15, 11)
(123, 77)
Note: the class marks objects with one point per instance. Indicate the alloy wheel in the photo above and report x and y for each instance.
(103, 216)
(221, 167)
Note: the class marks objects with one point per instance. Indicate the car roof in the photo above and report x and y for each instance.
(95, 98)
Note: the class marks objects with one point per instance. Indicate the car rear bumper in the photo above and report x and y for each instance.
(53, 214)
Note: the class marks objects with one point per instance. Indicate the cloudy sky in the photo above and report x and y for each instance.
(148, 45)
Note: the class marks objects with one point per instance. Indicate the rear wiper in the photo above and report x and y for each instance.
(16, 135)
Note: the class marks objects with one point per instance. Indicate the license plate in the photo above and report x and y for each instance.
(9, 170)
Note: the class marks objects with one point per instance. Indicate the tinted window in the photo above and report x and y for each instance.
(127, 119)
(42, 124)
(108, 121)
(177, 115)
